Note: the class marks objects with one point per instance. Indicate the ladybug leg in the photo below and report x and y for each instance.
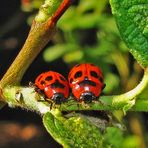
(32, 84)
(86, 105)
(101, 103)
(41, 97)
(50, 102)
(38, 92)
(71, 103)
(70, 99)
(80, 102)
(51, 105)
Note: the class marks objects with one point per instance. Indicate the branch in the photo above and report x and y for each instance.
(29, 99)
(40, 34)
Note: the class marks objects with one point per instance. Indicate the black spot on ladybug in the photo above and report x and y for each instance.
(42, 82)
(87, 82)
(57, 84)
(62, 78)
(93, 74)
(48, 78)
(71, 79)
(78, 74)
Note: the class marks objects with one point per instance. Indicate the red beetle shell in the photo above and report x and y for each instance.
(86, 80)
(54, 85)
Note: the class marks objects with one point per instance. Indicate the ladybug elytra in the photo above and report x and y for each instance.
(54, 85)
(86, 82)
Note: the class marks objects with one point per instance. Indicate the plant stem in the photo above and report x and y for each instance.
(28, 98)
(131, 95)
(38, 37)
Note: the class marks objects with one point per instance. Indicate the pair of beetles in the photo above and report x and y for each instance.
(84, 80)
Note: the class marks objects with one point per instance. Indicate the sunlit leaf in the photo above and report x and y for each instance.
(88, 5)
(112, 86)
(73, 132)
(131, 142)
(131, 17)
(74, 56)
(114, 137)
(57, 51)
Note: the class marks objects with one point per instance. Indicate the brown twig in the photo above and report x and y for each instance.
(38, 37)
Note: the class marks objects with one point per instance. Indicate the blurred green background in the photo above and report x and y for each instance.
(87, 32)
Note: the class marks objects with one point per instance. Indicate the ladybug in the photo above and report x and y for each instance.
(54, 85)
(86, 82)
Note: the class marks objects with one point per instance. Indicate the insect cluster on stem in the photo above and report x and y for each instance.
(85, 81)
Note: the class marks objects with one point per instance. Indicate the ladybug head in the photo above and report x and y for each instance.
(58, 98)
(87, 97)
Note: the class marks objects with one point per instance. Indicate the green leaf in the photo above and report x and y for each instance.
(87, 5)
(132, 20)
(73, 132)
(75, 21)
(116, 138)
(54, 52)
(115, 82)
(113, 137)
(77, 16)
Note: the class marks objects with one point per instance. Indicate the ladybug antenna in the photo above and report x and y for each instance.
(87, 97)
(58, 98)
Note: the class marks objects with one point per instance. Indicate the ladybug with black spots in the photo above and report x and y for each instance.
(86, 82)
(54, 85)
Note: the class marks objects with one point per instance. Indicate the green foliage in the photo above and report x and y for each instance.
(57, 51)
(89, 34)
(73, 132)
(131, 17)
(77, 131)
(114, 138)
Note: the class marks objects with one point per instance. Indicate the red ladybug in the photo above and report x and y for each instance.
(86, 82)
(54, 85)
